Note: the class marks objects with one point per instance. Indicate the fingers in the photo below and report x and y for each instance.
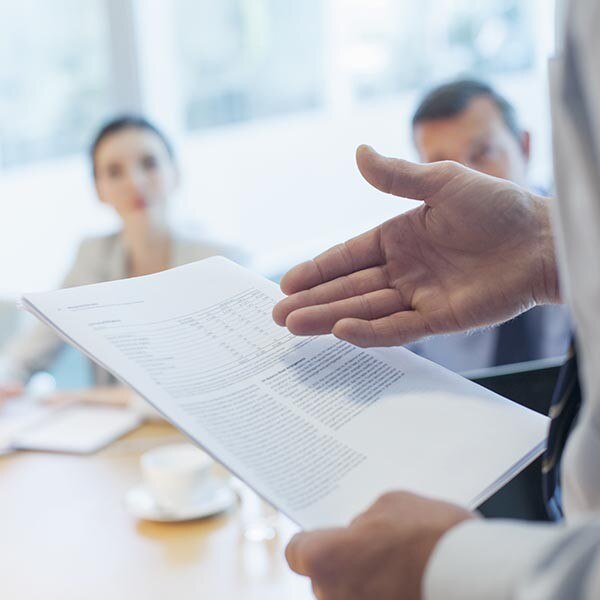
(363, 252)
(347, 286)
(393, 330)
(394, 176)
(354, 255)
(401, 177)
(316, 320)
(312, 552)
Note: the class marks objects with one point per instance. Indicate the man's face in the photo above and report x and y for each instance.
(478, 138)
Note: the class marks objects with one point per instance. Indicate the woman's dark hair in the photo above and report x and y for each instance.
(128, 122)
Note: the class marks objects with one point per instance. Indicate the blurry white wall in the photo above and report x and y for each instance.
(266, 101)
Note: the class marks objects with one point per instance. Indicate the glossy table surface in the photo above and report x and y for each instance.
(65, 534)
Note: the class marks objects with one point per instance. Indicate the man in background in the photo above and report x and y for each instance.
(468, 122)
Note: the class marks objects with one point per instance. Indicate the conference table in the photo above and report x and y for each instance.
(65, 534)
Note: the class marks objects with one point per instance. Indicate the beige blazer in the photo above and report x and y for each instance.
(98, 259)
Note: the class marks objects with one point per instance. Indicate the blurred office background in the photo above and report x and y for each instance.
(266, 101)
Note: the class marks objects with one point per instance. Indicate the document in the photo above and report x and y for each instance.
(28, 424)
(316, 426)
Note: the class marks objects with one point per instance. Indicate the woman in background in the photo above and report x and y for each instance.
(135, 173)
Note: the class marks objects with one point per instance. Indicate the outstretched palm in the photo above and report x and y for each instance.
(476, 252)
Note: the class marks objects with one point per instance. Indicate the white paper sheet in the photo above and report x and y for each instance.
(318, 427)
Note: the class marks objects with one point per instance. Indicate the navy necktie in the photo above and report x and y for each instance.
(566, 402)
(520, 340)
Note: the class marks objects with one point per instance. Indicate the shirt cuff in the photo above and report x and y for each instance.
(485, 559)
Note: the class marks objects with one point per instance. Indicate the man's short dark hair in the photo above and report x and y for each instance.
(450, 99)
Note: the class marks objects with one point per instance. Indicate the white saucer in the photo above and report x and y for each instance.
(141, 504)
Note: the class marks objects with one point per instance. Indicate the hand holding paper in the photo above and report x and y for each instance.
(382, 554)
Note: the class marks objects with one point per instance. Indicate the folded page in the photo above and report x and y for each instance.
(316, 426)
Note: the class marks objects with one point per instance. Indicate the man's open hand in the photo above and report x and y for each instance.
(478, 251)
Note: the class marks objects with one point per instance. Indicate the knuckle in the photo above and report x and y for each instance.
(387, 497)
(346, 256)
(390, 498)
(447, 169)
(348, 288)
(450, 166)
(366, 308)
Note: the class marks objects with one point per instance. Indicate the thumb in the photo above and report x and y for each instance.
(402, 177)
(310, 551)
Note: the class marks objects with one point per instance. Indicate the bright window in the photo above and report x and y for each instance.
(395, 45)
(54, 77)
(246, 59)
(266, 101)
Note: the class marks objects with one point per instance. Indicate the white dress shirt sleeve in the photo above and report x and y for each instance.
(502, 560)
(519, 561)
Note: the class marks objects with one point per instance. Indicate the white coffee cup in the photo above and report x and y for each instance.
(177, 475)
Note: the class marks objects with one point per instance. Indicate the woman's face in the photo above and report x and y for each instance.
(134, 173)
